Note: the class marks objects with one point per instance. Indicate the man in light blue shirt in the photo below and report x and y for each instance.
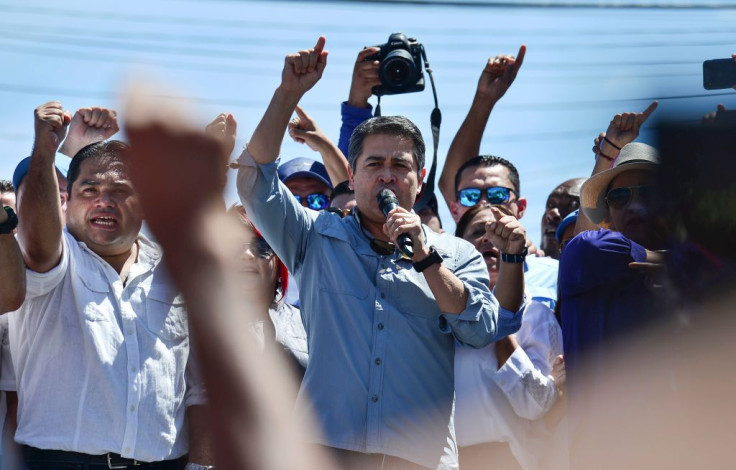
(381, 326)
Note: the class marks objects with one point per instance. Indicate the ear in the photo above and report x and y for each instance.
(521, 204)
(421, 180)
(350, 178)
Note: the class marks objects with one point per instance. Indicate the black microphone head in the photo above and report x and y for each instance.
(386, 200)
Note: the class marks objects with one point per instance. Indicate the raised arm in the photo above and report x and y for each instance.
(12, 270)
(508, 235)
(496, 78)
(623, 129)
(89, 126)
(304, 130)
(301, 71)
(39, 207)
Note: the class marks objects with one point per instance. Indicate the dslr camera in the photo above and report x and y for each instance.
(400, 68)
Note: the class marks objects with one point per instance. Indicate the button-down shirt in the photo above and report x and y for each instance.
(100, 366)
(380, 372)
(500, 404)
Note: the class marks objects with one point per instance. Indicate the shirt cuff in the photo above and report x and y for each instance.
(249, 171)
(516, 366)
(351, 114)
(477, 325)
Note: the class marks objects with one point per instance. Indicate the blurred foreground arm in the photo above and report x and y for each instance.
(250, 391)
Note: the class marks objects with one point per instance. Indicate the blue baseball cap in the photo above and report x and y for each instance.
(569, 219)
(22, 168)
(304, 168)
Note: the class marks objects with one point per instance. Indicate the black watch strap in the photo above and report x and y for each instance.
(9, 225)
(507, 258)
(431, 259)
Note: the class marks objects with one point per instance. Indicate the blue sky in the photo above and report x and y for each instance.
(583, 65)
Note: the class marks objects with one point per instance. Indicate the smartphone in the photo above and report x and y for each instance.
(719, 74)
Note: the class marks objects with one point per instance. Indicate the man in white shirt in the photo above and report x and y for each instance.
(101, 344)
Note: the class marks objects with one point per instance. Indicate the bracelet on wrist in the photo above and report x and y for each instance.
(611, 143)
(601, 154)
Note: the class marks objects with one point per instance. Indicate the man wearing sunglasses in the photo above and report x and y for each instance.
(605, 290)
(308, 181)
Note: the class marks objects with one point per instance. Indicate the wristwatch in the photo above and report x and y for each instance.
(507, 258)
(431, 259)
(9, 225)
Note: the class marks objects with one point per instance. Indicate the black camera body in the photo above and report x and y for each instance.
(400, 68)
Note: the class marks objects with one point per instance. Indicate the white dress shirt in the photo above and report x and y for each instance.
(100, 366)
(502, 405)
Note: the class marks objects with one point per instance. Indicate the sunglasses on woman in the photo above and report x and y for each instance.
(315, 201)
(469, 197)
(260, 248)
(618, 198)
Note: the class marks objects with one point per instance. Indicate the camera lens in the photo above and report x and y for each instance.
(397, 71)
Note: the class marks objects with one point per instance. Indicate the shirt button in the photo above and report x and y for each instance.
(380, 326)
(127, 449)
(374, 398)
(132, 407)
(383, 295)
(133, 369)
(130, 332)
(378, 361)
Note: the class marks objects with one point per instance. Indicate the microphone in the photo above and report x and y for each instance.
(387, 202)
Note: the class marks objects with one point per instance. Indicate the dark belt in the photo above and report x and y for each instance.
(32, 455)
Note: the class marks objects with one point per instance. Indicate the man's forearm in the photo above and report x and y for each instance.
(448, 290)
(335, 163)
(39, 214)
(265, 144)
(509, 288)
(465, 145)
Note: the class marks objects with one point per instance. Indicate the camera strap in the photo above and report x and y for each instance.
(435, 120)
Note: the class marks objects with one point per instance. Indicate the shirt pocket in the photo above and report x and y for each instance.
(166, 314)
(96, 305)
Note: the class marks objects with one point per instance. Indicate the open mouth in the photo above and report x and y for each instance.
(104, 222)
(490, 257)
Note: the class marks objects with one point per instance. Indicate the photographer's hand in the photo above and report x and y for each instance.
(365, 77)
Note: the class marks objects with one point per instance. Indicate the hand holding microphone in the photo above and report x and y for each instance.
(401, 225)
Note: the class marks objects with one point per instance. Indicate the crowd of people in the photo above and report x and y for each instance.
(328, 320)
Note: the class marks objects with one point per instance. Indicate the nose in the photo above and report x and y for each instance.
(386, 175)
(105, 199)
(552, 215)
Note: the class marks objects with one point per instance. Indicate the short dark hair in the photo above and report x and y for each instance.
(110, 150)
(490, 160)
(6, 186)
(398, 126)
(462, 224)
(340, 189)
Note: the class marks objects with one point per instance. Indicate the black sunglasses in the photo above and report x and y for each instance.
(260, 248)
(618, 198)
(469, 197)
(315, 201)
